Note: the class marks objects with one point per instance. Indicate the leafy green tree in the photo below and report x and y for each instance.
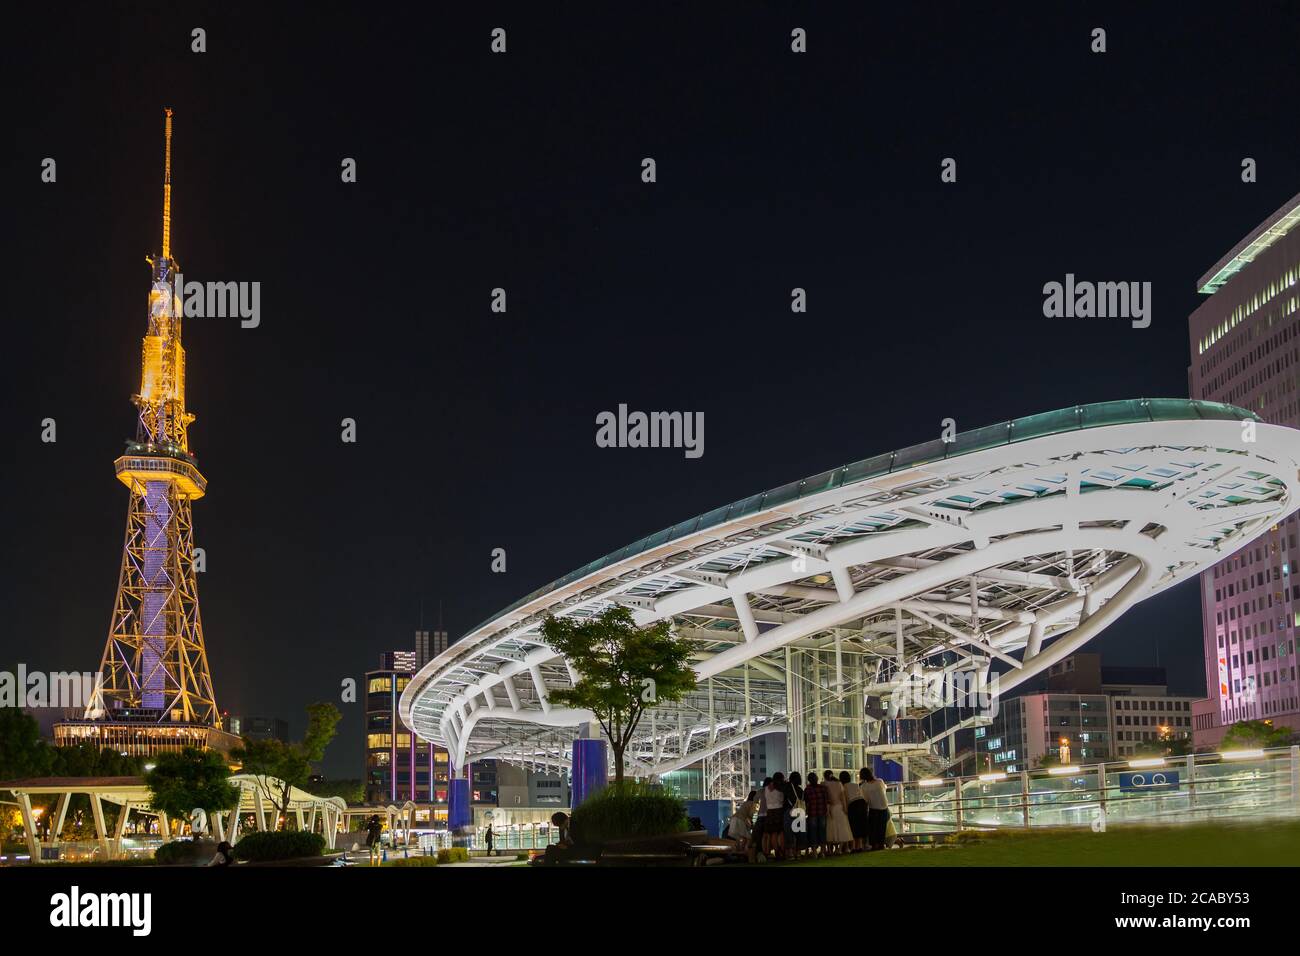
(288, 763)
(622, 670)
(22, 752)
(191, 779)
(353, 791)
(1167, 745)
(1252, 734)
(90, 760)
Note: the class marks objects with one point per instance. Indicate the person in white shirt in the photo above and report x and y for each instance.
(873, 790)
(774, 799)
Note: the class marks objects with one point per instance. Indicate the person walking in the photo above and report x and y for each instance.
(488, 838)
(839, 834)
(857, 810)
(877, 799)
(814, 798)
(374, 834)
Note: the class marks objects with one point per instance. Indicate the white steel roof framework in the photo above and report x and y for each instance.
(1018, 543)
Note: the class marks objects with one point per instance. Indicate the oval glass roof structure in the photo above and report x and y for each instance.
(1009, 547)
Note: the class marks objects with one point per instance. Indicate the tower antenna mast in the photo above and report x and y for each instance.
(167, 187)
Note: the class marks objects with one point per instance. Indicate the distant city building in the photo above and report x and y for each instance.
(398, 765)
(259, 728)
(518, 787)
(428, 645)
(403, 661)
(767, 755)
(1245, 348)
(1101, 713)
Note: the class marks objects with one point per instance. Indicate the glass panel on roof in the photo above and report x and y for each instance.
(978, 439)
(1220, 412)
(1047, 423)
(932, 450)
(745, 506)
(1113, 413)
(1169, 409)
(868, 468)
(823, 482)
(777, 496)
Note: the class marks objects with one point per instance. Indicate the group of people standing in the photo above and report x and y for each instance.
(787, 819)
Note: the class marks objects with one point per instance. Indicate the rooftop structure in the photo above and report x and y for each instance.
(815, 607)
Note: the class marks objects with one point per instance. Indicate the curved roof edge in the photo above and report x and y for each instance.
(1247, 251)
(1075, 418)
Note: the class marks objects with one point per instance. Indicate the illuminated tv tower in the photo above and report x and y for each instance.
(156, 688)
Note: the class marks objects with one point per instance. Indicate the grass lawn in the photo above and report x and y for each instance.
(1260, 844)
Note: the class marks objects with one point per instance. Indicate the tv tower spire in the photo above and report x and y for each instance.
(156, 692)
(167, 187)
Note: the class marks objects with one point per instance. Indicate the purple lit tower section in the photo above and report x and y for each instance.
(158, 584)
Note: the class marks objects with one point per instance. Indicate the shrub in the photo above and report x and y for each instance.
(453, 854)
(522, 856)
(282, 845)
(179, 852)
(630, 809)
(413, 861)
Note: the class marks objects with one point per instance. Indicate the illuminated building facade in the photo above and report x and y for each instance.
(1245, 348)
(157, 690)
(399, 766)
(1088, 713)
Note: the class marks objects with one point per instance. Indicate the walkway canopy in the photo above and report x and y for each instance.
(132, 795)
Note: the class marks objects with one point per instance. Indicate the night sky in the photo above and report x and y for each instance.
(475, 429)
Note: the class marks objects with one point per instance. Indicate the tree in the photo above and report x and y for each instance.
(1165, 745)
(1252, 734)
(183, 781)
(622, 670)
(22, 752)
(282, 766)
(353, 791)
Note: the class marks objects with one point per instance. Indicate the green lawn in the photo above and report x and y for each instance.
(1261, 844)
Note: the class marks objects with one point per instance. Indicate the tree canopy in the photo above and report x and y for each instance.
(289, 763)
(623, 671)
(1256, 733)
(181, 782)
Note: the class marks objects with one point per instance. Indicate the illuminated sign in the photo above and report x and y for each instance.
(1147, 780)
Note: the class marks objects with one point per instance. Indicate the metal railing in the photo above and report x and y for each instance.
(1236, 784)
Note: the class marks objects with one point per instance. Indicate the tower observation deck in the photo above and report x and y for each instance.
(156, 691)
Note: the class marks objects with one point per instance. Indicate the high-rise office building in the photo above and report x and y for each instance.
(1245, 349)
(259, 728)
(428, 645)
(398, 765)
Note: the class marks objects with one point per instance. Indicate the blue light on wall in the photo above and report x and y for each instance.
(590, 769)
(460, 814)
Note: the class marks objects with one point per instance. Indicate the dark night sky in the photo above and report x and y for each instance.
(476, 430)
